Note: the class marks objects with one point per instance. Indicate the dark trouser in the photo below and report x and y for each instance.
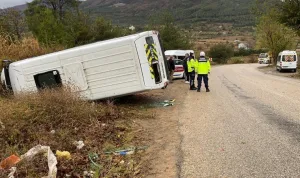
(192, 79)
(187, 75)
(205, 78)
(171, 75)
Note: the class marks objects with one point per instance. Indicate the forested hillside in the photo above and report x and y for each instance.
(137, 12)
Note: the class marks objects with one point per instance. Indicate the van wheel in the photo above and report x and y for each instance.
(295, 70)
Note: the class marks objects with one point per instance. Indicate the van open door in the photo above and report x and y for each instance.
(150, 60)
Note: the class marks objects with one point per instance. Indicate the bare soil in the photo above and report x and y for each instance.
(161, 132)
(271, 70)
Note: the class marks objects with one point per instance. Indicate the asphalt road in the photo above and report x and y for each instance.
(247, 126)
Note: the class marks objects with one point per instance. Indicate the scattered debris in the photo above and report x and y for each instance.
(12, 172)
(169, 103)
(52, 131)
(79, 144)
(128, 151)
(63, 154)
(9, 162)
(165, 103)
(87, 174)
(93, 157)
(2, 125)
(52, 161)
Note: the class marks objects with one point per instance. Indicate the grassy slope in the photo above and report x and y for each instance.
(28, 120)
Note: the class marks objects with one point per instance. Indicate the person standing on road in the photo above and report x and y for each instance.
(171, 68)
(185, 67)
(191, 70)
(202, 67)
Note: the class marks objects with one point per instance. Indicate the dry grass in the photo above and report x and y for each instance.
(25, 48)
(29, 120)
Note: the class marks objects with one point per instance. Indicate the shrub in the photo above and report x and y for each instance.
(235, 60)
(252, 59)
(25, 48)
(248, 52)
(221, 53)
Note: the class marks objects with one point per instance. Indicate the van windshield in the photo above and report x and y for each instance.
(289, 58)
(263, 55)
(178, 62)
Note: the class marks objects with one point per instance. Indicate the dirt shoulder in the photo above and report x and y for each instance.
(161, 132)
(272, 71)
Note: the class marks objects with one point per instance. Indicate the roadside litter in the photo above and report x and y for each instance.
(128, 151)
(165, 103)
(12, 160)
(63, 154)
(2, 125)
(9, 162)
(79, 144)
(169, 103)
(93, 157)
(52, 161)
(12, 172)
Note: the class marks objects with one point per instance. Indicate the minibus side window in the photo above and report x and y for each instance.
(49, 79)
(278, 58)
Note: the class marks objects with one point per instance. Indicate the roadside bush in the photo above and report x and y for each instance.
(235, 60)
(221, 53)
(57, 118)
(22, 49)
(248, 52)
(252, 59)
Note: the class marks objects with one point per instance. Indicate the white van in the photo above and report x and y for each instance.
(111, 68)
(179, 55)
(287, 60)
(263, 58)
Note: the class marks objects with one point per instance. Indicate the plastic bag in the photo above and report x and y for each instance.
(52, 161)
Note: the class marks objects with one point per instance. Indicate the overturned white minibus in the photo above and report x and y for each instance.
(111, 68)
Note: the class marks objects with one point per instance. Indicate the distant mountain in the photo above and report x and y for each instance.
(20, 7)
(137, 12)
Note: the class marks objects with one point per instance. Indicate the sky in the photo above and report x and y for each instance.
(11, 3)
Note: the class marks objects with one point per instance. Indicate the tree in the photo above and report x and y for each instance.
(12, 23)
(172, 36)
(289, 14)
(59, 7)
(221, 52)
(45, 26)
(60, 22)
(273, 35)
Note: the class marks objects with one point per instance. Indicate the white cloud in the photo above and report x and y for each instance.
(11, 3)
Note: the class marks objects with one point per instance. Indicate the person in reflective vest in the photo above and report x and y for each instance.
(191, 71)
(202, 68)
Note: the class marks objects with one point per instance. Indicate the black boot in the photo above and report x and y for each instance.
(207, 90)
(193, 88)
